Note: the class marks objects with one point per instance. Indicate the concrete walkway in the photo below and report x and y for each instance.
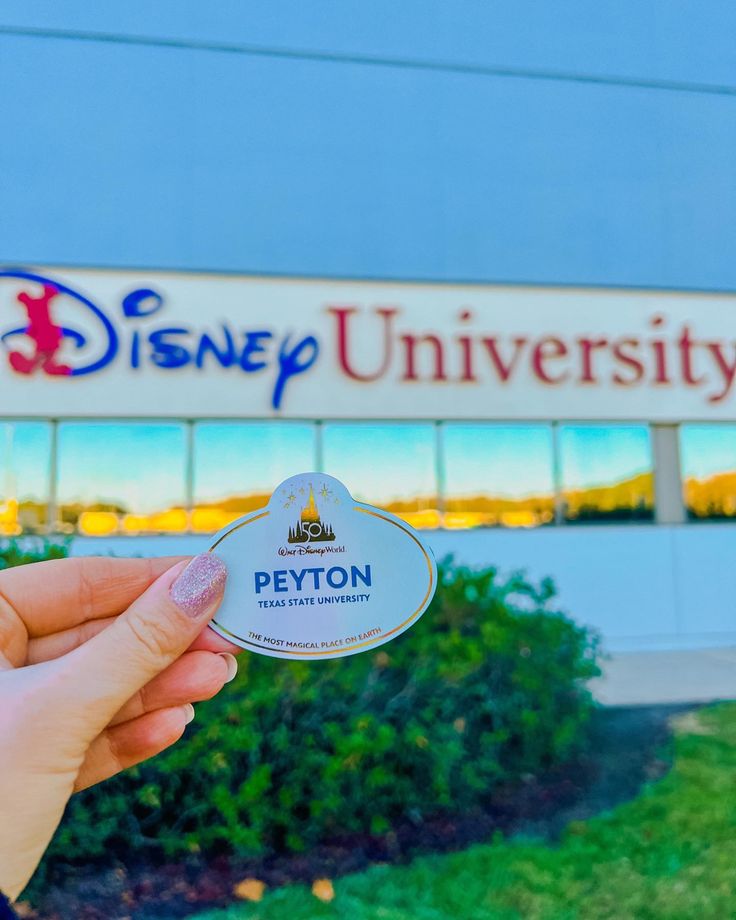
(645, 678)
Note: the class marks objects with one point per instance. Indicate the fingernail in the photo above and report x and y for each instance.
(232, 666)
(199, 585)
(188, 713)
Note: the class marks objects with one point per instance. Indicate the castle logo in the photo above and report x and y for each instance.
(310, 528)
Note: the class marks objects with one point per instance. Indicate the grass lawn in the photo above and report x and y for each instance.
(670, 854)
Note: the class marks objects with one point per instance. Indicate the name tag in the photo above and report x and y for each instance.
(316, 574)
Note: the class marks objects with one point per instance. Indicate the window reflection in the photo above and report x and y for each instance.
(388, 465)
(498, 474)
(130, 477)
(708, 457)
(122, 477)
(607, 472)
(237, 465)
(25, 454)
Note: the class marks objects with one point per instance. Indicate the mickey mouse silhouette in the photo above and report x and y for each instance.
(46, 335)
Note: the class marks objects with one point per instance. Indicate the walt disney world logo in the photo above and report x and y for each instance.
(50, 345)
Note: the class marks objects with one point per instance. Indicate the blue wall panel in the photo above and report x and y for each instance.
(117, 154)
(684, 40)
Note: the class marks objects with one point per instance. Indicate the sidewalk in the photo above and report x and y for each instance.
(645, 678)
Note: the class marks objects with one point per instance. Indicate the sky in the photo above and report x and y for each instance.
(231, 458)
(379, 462)
(141, 465)
(506, 460)
(707, 449)
(24, 458)
(591, 455)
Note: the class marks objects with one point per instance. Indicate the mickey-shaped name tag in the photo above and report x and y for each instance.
(316, 574)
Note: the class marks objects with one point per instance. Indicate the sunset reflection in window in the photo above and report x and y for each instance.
(389, 465)
(237, 465)
(24, 477)
(122, 478)
(497, 475)
(708, 458)
(606, 473)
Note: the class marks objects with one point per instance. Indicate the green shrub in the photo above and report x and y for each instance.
(30, 549)
(487, 687)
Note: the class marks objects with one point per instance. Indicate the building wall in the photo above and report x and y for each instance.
(566, 143)
(642, 587)
(555, 143)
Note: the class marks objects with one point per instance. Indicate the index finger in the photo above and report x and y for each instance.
(52, 596)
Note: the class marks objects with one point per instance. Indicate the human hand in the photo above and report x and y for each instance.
(100, 660)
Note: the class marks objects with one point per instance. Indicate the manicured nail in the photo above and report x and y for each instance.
(232, 666)
(199, 585)
(188, 713)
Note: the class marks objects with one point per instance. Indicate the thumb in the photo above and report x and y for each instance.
(103, 673)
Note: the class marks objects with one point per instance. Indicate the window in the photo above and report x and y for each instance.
(131, 477)
(237, 465)
(498, 474)
(606, 473)
(708, 458)
(122, 477)
(392, 466)
(25, 458)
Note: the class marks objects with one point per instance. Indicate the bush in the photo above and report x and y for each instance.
(487, 687)
(30, 549)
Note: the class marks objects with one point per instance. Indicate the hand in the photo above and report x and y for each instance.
(100, 660)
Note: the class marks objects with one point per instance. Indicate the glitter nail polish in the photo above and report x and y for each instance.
(199, 585)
